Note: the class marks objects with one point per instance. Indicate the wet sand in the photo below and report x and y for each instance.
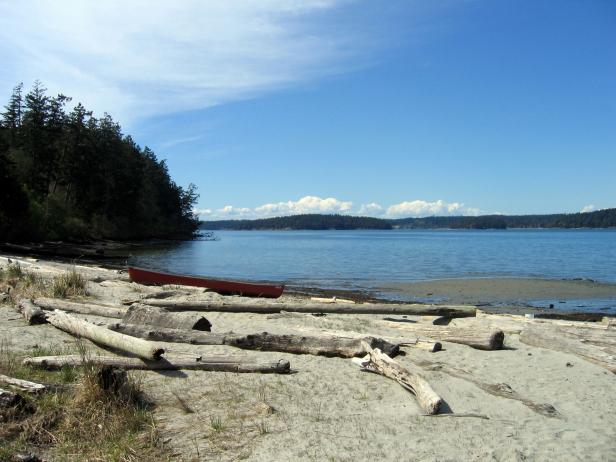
(513, 291)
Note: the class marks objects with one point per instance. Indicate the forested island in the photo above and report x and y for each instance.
(69, 175)
(600, 219)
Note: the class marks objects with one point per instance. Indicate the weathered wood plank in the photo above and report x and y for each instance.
(481, 339)
(103, 336)
(324, 345)
(222, 364)
(276, 307)
(80, 307)
(22, 385)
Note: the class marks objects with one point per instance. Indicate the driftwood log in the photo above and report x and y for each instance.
(80, 307)
(31, 313)
(378, 362)
(496, 389)
(222, 364)
(22, 385)
(453, 311)
(324, 345)
(102, 336)
(557, 340)
(155, 316)
(481, 339)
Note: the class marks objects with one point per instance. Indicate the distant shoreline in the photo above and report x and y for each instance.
(601, 219)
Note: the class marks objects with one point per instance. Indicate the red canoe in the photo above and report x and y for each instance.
(143, 276)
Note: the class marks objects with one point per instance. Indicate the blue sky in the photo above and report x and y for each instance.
(391, 108)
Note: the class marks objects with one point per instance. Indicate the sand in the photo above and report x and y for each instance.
(329, 410)
(512, 292)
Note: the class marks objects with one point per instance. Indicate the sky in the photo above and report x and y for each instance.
(382, 108)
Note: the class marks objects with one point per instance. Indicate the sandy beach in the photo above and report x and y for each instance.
(555, 406)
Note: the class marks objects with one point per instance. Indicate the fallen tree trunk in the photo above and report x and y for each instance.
(32, 313)
(223, 364)
(481, 339)
(454, 311)
(80, 307)
(159, 317)
(100, 335)
(496, 389)
(378, 362)
(559, 341)
(324, 345)
(22, 385)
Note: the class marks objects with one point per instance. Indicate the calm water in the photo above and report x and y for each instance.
(365, 259)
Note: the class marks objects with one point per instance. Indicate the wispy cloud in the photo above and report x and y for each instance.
(148, 57)
(588, 208)
(331, 205)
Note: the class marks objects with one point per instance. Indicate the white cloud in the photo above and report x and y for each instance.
(307, 204)
(147, 57)
(331, 205)
(588, 208)
(420, 208)
(371, 210)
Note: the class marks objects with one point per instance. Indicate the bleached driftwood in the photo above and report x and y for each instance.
(332, 300)
(496, 389)
(102, 336)
(80, 307)
(276, 307)
(378, 362)
(325, 345)
(22, 385)
(31, 313)
(223, 364)
(481, 339)
(553, 339)
(155, 316)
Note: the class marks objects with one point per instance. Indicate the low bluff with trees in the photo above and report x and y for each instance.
(600, 219)
(66, 175)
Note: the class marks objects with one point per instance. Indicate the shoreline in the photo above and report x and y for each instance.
(503, 404)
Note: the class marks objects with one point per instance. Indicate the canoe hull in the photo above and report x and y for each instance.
(149, 277)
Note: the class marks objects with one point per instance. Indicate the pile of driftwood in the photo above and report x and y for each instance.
(135, 333)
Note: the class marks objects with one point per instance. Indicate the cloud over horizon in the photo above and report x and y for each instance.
(330, 205)
(147, 57)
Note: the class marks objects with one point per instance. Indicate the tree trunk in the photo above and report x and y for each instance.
(604, 356)
(456, 311)
(155, 316)
(223, 364)
(496, 389)
(378, 362)
(81, 307)
(100, 335)
(32, 313)
(22, 385)
(481, 339)
(324, 345)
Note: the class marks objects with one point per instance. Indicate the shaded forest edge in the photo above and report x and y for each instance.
(600, 219)
(68, 175)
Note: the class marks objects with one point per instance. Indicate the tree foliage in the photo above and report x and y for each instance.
(70, 175)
